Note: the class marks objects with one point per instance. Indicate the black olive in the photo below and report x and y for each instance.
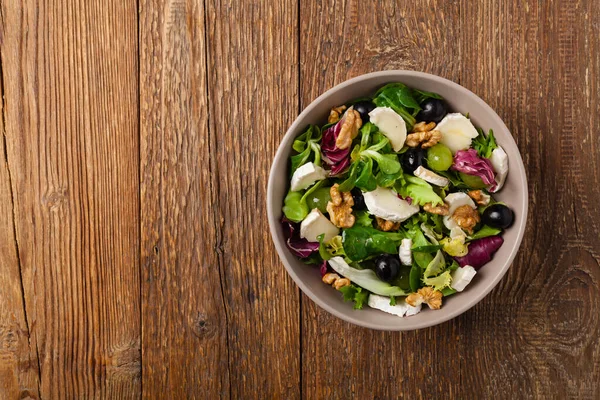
(432, 110)
(364, 108)
(387, 267)
(498, 216)
(359, 200)
(413, 158)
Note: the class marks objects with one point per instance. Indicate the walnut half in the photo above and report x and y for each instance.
(427, 295)
(340, 208)
(423, 135)
(466, 218)
(349, 130)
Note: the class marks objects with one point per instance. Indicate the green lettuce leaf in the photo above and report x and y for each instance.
(361, 242)
(418, 190)
(355, 294)
(439, 282)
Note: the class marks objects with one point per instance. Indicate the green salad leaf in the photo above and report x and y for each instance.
(355, 294)
(363, 218)
(306, 144)
(399, 98)
(418, 190)
(415, 277)
(360, 242)
(436, 265)
(294, 207)
(485, 144)
(422, 95)
(484, 232)
(439, 282)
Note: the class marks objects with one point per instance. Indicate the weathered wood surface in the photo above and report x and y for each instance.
(134, 252)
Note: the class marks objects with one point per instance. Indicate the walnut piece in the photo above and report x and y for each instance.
(427, 295)
(386, 225)
(441, 209)
(466, 218)
(480, 198)
(423, 127)
(349, 130)
(340, 208)
(335, 280)
(329, 278)
(424, 135)
(334, 114)
(340, 283)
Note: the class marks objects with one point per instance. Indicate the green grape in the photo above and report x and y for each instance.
(439, 157)
(472, 181)
(318, 199)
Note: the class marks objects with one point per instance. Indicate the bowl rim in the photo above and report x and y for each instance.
(274, 223)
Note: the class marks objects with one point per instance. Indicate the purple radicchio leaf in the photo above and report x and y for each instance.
(338, 159)
(299, 247)
(481, 251)
(470, 163)
(324, 268)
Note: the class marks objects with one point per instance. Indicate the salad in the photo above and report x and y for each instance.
(392, 199)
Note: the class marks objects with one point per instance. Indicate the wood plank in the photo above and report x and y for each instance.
(19, 374)
(253, 87)
(184, 347)
(340, 40)
(70, 88)
(539, 331)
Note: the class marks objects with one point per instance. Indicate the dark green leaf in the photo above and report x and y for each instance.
(485, 145)
(422, 95)
(300, 159)
(365, 180)
(355, 294)
(415, 277)
(363, 218)
(361, 242)
(392, 300)
(349, 183)
(426, 249)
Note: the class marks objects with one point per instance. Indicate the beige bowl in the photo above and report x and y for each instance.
(514, 193)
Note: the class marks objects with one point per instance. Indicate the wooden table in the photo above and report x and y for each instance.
(135, 257)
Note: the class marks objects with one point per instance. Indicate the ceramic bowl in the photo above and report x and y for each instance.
(514, 193)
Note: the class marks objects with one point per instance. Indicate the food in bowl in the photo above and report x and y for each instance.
(392, 197)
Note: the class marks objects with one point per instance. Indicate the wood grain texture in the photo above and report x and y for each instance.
(539, 72)
(253, 90)
(19, 374)
(184, 347)
(70, 126)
